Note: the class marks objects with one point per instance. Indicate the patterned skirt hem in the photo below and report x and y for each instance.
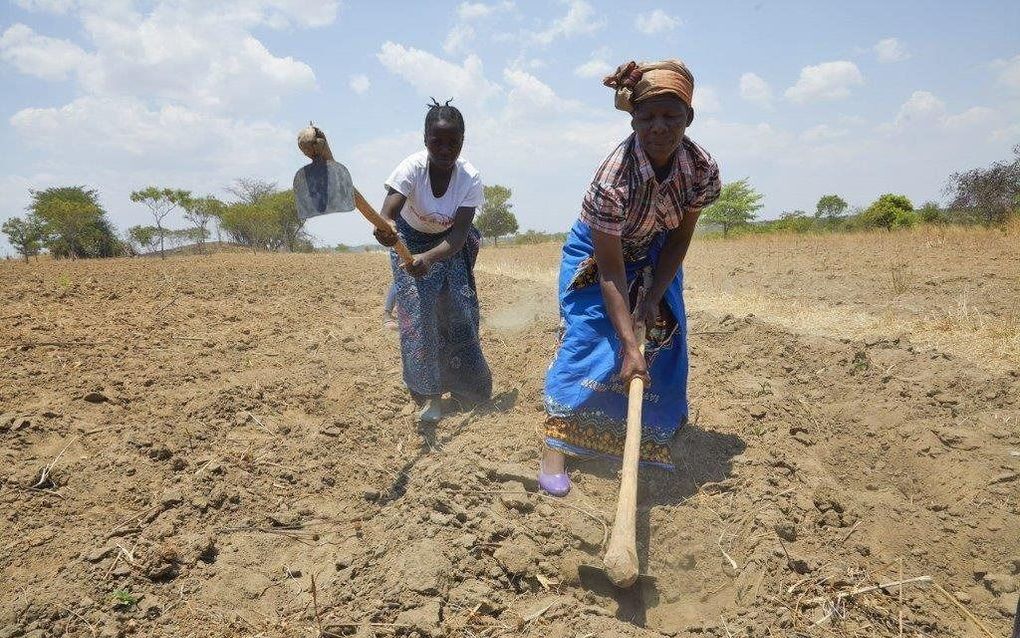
(575, 439)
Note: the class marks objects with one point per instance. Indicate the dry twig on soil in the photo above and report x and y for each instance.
(864, 590)
(951, 598)
(49, 468)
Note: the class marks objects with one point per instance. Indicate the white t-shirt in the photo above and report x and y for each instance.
(424, 211)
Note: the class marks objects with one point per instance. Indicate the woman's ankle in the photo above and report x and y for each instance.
(553, 461)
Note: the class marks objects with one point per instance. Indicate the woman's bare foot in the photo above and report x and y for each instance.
(432, 411)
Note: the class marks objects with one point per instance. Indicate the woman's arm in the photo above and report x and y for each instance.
(450, 245)
(613, 282)
(672, 256)
(390, 209)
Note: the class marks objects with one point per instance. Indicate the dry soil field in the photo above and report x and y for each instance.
(187, 446)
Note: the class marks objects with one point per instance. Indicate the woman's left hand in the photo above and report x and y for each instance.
(419, 267)
(648, 312)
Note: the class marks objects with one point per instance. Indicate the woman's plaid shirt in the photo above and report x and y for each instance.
(625, 198)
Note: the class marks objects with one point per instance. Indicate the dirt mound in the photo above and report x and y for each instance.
(222, 446)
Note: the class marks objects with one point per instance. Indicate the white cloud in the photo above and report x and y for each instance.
(475, 10)
(890, 50)
(580, 19)
(596, 67)
(122, 130)
(530, 96)
(755, 90)
(360, 84)
(657, 21)
(706, 100)
(973, 117)
(49, 6)
(1007, 133)
(458, 38)
(924, 111)
(921, 107)
(302, 13)
(1009, 72)
(434, 76)
(593, 68)
(739, 140)
(38, 55)
(822, 133)
(200, 55)
(825, 81)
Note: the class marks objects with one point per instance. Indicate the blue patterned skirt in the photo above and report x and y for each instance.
(586, 405)
(439, 321)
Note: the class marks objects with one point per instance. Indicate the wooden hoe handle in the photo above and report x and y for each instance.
(621, 561)
(377, 220)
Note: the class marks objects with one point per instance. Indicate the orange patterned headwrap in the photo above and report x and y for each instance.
(634, 82)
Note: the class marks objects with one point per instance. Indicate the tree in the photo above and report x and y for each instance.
(291, 227)
(199, 211)
(251, 190)
(737, 204)
(253, 225)
(143, 238)
(797, 221)
(890, 211)
(25, 235)
(931, 213)
(73, 222)
(831, 208)
(990, 194)
(161, 202)
(497, 218)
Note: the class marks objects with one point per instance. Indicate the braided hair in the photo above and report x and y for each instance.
(437, 112)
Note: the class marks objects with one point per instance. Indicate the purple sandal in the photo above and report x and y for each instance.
(555, 484)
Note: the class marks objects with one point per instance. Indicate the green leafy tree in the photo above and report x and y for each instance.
(73, 222)
(253, 225)
(989, 195)
(292, 228)
(161, 202)
(931, 213)
(25, 235)
(530, 237)
(497, 218)
(263, 217)
(797, 221)
(831, 208)
(143, 238)
(890, 211)
(737, 205)
(199, 211)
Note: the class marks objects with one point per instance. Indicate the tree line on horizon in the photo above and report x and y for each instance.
(987, 196)
(69, 221)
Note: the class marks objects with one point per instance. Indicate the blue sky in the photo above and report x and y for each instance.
(805, 98)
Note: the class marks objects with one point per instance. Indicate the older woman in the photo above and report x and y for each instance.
(622, 265)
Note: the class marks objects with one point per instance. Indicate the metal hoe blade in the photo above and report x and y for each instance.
(323, 187)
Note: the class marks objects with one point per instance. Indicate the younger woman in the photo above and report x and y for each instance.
(431, 200)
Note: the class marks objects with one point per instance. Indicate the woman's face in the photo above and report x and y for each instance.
(444, 140)
(660, 124)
